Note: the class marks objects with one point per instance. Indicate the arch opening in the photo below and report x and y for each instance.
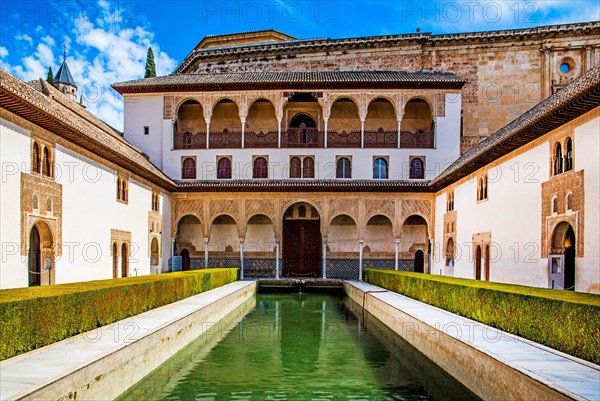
(302, 241)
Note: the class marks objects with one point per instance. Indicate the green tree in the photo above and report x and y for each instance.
(50, 77)
(150, 67)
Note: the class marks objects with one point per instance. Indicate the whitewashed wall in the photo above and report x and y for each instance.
(89, 212)
(143, 110)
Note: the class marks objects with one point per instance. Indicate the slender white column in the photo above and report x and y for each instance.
(172, 134)
(326, 121)
(362, 133)
(277, 259)
(206, 253)
(360, 259)
(207, 134)
(396, 255)
(241, 258)
(243, 133)
(173, 247)
(279, 133)
(399, 128)
(324, 258)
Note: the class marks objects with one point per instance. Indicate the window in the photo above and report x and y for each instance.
(35, 162)
(302, 211)
(558, 159)
(569, 201)
(49, 204)
(224, 168)
(122, 189)
(343, 168)
(417, 168)
(295, 167)
(155, 201)
(188, 169)
(302, 167)
(380, 169)
(569, 155)
(555, 204)
(146, 130)
(482, 192)
(36, 202)
(308, 167)
(261, 168)
(450, 202)
(46, 163)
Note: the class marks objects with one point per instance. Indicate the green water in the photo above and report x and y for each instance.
(298, 347)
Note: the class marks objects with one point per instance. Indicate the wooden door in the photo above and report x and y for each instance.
(302, 247)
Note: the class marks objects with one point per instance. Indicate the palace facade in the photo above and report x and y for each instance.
(471, 155)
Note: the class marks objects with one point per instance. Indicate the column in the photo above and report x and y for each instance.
(207, 134)
(279, 132)
(324, 258)
(399, 128)
(243, 132)
(241, 258)
(206, 253)
(396, 254)
(326, 121)
(173, 247)
(360, 259)
(277, 259)
(172, 134)
(362, 132)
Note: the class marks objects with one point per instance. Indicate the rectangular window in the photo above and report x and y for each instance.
(155, 201)
(450, 201)
(146, 130)
(482, 188)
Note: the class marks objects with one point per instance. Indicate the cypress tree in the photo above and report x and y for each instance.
(150, 67)
(50, 77)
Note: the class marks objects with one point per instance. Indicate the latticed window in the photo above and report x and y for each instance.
(35, 158)
(450, 204)
(417, 169)
(308, 167)
(224, 168)
(155, 202)
(261, 168)
(188, 169)
(295, 167)
(343, 168)
(122, 189)
(380, 168)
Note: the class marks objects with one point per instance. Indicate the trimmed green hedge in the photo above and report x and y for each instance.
(37, 316)
(563, 320)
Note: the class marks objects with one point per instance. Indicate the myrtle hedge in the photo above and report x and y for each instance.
(564, 320)
(37, 316)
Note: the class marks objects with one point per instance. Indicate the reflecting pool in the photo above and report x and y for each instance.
(298, 347)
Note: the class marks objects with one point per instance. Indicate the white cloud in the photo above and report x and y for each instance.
(25, 38)
(3, 52)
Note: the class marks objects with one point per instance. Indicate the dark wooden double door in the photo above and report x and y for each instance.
(302, 248)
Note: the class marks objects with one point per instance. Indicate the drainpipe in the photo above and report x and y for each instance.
(360, 259)
(324, 258)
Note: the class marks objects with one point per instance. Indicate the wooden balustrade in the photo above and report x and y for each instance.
(261, 139)
(416, 140)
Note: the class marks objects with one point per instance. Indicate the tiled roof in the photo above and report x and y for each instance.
(63, 75)
(302, 185)
(314, 79)
(45, 107)
(570, 102)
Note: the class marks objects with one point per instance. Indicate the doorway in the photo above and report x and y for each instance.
(302, 242)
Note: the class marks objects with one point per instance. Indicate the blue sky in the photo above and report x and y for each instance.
(107, 40)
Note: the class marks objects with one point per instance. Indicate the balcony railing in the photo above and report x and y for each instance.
(189, 140)
(304, 138)
(225, 139)
(416, 140)
(261, 139)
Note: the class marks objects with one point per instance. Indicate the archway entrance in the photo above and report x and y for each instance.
(419, 262)
(115, 256)
(124, 261)
(35, 257)
(302, 243)
(478, 263)
(561, 262)
(185, 259)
